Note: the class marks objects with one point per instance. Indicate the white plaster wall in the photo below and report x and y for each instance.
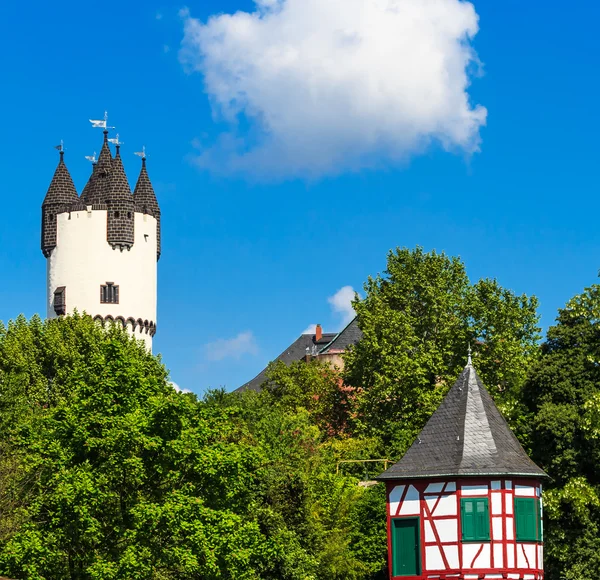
(411, 506)
(525, 490)
(395, 496)
(447, 530)
(474, 489)
(471, 559)
(451, 553)
(498, 555)
(433, 558)
(446, 506)
(83, 260)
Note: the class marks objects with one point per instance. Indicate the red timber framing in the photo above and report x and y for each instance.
(443, 555)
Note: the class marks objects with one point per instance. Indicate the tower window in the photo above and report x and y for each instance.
(60, 301)
(109, 293)
(116, 214)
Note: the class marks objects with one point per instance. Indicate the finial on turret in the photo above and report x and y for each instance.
(116, 143)
(101, 123)
(469, 361)
(61, 148)
(142, 154)
(92, 158)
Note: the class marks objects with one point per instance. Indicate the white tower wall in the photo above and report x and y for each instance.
(83, 261)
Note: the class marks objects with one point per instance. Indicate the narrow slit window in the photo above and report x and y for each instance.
(60, 301)
(109, 293)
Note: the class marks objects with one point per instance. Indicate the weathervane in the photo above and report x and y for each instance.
(141, 153)
(60, 147)
(101, 123)
(91, 158)
(116, 141)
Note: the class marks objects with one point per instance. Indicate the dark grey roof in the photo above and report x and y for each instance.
(303, 345)
(347, 337)
(96, 190)
(466, 436)
(146, 202)
(62, 190)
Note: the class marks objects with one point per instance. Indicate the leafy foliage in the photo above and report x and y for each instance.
(417, 320)
(563, 394)
(107, 473)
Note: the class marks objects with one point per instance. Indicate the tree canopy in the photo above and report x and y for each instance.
(108, 473)
(418, 320)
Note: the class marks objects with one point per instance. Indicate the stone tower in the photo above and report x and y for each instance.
(102, 247)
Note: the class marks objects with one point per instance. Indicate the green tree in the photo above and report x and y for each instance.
(132, 480)
(418, 319)
(563, 394)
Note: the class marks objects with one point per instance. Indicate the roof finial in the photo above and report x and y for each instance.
(61, 148)
(116, 143)
(469, 361)
(142, 154)
(101, 123)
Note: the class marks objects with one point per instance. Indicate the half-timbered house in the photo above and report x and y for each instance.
(465, 500)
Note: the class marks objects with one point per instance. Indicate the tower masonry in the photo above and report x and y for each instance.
(102, 247)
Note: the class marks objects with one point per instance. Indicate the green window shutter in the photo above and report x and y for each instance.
(527, 515)
(468, 520)
(540, 522)
(475, 519)
(483, 520)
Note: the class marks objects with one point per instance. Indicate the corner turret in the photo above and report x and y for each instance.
(145, 200)
(96, 190)
(60, 196)
(120, 206)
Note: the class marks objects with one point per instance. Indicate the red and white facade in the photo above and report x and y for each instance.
(443, 555)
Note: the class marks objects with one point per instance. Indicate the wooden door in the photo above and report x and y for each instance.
(406, 559)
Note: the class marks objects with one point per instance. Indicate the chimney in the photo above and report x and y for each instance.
(318, 333)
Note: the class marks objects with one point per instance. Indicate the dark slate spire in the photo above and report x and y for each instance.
(145, 200)
(466, 436)
(60, 196)
(96, 190)
(120, 205)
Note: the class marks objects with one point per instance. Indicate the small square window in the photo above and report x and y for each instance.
(109, 293)
(60, 301)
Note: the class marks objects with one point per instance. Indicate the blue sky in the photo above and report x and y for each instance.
(261, 225)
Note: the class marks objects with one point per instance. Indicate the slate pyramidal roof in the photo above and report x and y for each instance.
(62, 190)
(466, 436)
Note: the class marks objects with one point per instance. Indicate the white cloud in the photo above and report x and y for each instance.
(341, 303)
(335, 85)
(178, 388)
(244, 343)
(310, 329)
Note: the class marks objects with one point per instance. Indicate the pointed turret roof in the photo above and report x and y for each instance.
(118, 186)
(145, 198)
(96, 189)
(62, 189)
(466, 436)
